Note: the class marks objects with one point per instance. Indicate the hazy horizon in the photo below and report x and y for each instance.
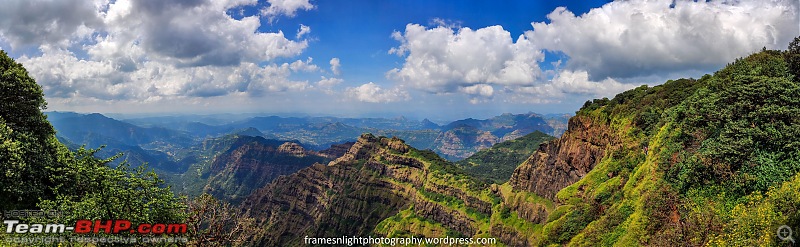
(245, 115)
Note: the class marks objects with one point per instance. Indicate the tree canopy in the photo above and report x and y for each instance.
(39, 172)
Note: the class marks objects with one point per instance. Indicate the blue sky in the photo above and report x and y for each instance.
(360, 31)
(424, 59)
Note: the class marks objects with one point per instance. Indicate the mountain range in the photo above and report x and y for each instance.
(233, 158)
(159, 140)
(709, 161)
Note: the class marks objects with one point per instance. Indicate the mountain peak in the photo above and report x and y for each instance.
(368, 145)
(292, 148)
(427, 124)
(250, 131)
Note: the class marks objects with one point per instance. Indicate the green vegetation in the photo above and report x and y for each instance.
(496, 164)
(409, 220)
(38, 172)
(709, 161)
(722, 150)
(28, 148)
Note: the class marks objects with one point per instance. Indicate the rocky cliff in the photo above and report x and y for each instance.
(252, 162)
(376, 178)
(337, 150)
(564, 161)
(712, 161)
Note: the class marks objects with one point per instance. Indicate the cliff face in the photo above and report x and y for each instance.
(461, 142)
(336, 150)
(375, 179)
(564, 161)
(252, 162)
(652, 166)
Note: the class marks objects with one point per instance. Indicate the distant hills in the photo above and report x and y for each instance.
(497, 163)
(693, 162)
(232, 158)
(462, 138)
(710, 161)
(159, 140)
(153, 145)
(253, 162)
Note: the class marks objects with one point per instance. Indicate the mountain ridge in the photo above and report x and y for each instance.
(651, 166)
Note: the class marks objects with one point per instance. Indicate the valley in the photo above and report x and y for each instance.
(708, 161)
(230, 158)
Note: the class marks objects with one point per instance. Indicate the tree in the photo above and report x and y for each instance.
(90, 189)
(215, 223)
(22, 100)
(793, 58)
(28, 148)
(37, 171)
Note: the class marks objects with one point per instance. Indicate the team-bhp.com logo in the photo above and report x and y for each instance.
(97, 226)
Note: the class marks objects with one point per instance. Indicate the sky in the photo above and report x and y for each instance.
(420, 59)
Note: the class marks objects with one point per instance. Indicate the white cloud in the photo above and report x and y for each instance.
(640, 38)
(478, 93)
(622, 41)
(568, 82)
(335, 65)
(480, 90)
(306, 66)
(62, 75)
(34, 22)
(285, 7)
(302, 31)
(329, 82)
(189, 33)
(442, 59)
(373, 93)
(151, 50)
(439, 22)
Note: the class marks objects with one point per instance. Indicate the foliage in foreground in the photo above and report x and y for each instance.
(38, 172)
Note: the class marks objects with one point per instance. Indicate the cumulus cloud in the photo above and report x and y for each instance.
(285, 7)
(335, 65)
(480, 89)
(302, 31)
(478, 93)
(33, 22)
(306, 66)
(609, 49)
(62, 75)
(638, 37)
(373, 93)
(443, 59)
(568, 82)
(151, 50)
(325, 82)
(190, 33)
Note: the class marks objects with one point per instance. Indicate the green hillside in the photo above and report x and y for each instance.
(709, 161)
(691, 162)
(496, 164)
(371, 190)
